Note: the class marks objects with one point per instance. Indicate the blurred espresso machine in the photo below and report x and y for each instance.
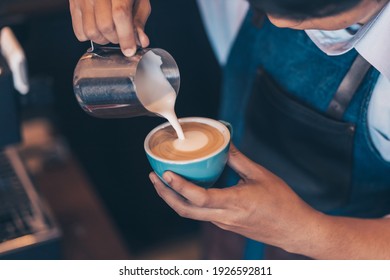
(27, 230)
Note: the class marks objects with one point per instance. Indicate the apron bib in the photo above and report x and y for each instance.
(311, 151)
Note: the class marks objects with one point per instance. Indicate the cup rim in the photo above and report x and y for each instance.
(216, 124)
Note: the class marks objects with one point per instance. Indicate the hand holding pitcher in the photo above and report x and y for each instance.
(117, 21)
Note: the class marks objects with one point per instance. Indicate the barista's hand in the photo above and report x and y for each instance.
(115, 21)
(261, 206)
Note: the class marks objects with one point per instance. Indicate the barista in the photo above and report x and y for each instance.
(319, 185)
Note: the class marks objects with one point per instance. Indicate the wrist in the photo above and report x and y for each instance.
(308, 238)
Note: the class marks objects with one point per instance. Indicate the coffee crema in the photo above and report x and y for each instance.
(200, 140)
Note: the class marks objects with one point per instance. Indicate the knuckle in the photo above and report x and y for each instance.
(101, 41)
(80, 36)
(223, 226)
(178, 185)
(234, 151)
(182, 212)
(145, 3)
(233, 222)
(159, 192)
(148, 8)
(93, 34)
(121, 11)
(148, 12)
(139, 23)
(203, 202)
(107, 28)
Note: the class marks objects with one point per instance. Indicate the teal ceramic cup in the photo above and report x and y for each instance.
(203, 171)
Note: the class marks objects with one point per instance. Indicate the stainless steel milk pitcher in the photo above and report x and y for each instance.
(104, 81)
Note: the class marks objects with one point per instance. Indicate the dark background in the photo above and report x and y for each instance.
(111, 151)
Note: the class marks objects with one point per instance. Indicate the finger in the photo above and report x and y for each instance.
(90, 28)
(123, 20)
(244, 167)
(77, 21)
(104, 21)
(142, 37)
(182, 206)
(199, 196)
(141, 13)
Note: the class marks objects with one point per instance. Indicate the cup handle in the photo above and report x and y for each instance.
(229, 126)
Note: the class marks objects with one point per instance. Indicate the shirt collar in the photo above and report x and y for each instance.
(372, 41)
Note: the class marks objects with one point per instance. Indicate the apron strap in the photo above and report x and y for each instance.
(348, 87)
(258, 18)
(258, 15)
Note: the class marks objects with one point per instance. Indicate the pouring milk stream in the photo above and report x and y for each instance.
(158, 96)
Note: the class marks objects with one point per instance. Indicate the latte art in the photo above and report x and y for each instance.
(200, 140)
(194, 140)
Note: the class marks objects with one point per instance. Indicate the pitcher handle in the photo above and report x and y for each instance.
(94, 47)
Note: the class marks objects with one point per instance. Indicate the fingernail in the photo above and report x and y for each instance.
(129, 52)
(151, 178)
(167, 178)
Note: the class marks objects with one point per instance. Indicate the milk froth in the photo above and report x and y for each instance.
(194, 140)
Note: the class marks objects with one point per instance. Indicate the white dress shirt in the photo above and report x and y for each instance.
(222, 19)
(372, 41)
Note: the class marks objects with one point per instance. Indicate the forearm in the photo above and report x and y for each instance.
(346, 238)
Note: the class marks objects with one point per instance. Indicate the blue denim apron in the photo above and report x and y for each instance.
(277, 91)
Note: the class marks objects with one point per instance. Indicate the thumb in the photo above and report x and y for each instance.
(244, 167)
(143, 39)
